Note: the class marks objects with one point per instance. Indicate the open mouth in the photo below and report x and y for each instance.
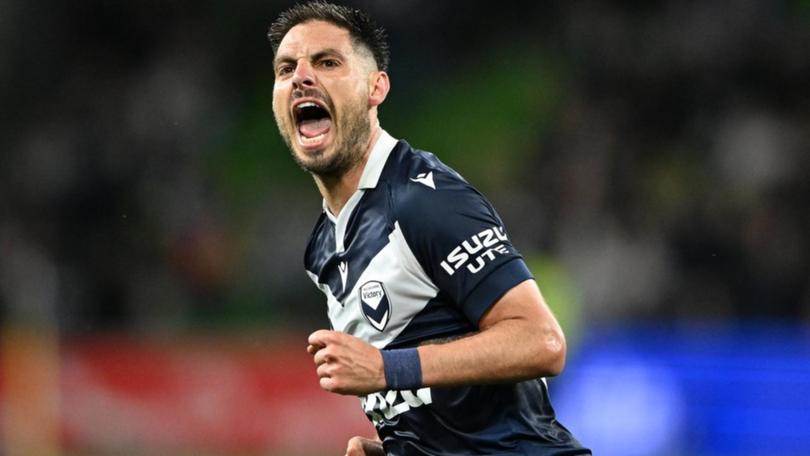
(313, 121)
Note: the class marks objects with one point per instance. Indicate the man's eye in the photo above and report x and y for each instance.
(330, 63)
(284, 69)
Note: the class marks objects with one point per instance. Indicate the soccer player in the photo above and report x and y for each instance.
(437, 323)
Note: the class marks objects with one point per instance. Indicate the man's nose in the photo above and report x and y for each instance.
(303, 76)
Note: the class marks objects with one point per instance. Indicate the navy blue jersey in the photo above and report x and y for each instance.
(418, 255)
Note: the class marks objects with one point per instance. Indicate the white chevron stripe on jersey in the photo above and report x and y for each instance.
(407, 286)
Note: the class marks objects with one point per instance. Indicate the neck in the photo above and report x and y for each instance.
(337, 190)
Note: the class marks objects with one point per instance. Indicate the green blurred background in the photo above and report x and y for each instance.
(650, 160)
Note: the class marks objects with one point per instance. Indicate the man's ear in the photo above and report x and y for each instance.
(379, 85)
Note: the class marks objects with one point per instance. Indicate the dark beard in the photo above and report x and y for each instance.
(349, 148)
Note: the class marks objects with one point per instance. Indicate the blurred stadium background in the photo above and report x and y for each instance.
(651, 160)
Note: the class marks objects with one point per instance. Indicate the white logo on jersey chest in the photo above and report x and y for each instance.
(375, 304)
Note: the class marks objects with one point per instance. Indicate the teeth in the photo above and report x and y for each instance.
(310, 141)
(307, 104)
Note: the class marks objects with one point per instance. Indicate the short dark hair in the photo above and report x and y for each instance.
(361, 27)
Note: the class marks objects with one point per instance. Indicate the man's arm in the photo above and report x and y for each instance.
(519, 339)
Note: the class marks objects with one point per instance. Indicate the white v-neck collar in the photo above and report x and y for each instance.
(376, 160)
(369, 179)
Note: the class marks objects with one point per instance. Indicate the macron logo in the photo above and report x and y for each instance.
(425, 179)
(343, 267)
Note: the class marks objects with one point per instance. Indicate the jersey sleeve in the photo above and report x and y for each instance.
(461, 243)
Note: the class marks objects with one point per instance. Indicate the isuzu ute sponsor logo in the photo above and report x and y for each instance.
(388, 404)
(375, 305)
(476, 251)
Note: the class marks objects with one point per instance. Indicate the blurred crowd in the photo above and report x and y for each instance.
(143, 185)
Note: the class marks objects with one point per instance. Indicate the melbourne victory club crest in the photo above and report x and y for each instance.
(375, 305)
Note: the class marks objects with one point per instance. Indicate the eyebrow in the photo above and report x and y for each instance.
(318, 55)
(327, 52)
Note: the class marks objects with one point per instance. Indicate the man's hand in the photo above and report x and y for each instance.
(346, 364)
(359, 446)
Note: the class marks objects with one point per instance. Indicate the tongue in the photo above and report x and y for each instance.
(314, 127)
